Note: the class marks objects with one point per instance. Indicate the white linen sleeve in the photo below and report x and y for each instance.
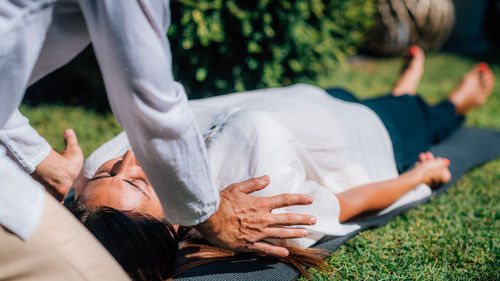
(134, 56)
(24, 144)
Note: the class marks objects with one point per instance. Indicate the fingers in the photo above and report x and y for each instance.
(292, 219)
(429, 155)
(286, 199)
(268, 249)
(284, 233)
(421, 157)
(252, 184)
(425, 156)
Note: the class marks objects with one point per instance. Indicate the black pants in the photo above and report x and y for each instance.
(413, 125)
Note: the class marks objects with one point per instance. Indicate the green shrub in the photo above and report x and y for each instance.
(235, 45)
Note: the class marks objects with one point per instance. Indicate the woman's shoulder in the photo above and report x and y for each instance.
(249, 124)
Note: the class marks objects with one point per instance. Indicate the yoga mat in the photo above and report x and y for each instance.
(466, 148)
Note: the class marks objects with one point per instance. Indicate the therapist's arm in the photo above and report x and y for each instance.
(133, 53)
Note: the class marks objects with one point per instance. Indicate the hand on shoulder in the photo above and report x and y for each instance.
(242, 221)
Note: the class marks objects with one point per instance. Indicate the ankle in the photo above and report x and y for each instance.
(460, 110)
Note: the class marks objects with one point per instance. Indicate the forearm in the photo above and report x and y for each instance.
(376, 196)
(130, 44)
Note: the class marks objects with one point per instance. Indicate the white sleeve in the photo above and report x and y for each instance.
(65, 38)
(24, 144)
(134, 56)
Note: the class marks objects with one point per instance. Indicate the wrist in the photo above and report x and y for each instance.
(418, 175)
(44, 172)
(210, 225)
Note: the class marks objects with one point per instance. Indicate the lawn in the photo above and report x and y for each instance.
(455, 236)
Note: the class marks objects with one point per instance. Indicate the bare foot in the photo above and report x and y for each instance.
(435, 170)
(474, 89)
(412, 72)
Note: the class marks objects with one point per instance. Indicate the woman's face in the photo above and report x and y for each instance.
(121, 184)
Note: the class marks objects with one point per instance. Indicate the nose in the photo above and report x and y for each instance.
(128, 160)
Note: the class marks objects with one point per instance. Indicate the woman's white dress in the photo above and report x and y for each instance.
(305, 140)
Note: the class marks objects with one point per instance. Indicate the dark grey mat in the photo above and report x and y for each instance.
(467, 148)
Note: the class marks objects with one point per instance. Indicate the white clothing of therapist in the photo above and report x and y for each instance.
(128, 36)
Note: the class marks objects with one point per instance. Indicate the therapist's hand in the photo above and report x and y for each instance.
(58, 170)
(242, 220)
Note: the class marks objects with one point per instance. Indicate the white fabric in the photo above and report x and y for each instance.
(128, 36)
(305, 140)
(23, 198)
(24, 144)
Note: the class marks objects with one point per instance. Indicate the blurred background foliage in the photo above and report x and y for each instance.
(236, 45)
(223, 46)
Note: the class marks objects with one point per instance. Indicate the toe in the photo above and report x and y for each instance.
(487, 80)
(482, 66)
(490, 77)
(415, 51)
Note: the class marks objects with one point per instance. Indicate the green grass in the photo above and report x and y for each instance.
(455, 236)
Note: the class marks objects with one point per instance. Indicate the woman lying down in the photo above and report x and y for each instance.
(351, 156)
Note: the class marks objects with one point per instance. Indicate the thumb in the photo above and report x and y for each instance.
(71, 142)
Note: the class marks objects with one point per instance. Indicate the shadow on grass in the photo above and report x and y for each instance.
(79, 83)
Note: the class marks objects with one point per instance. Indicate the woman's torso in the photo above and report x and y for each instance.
(340, 144)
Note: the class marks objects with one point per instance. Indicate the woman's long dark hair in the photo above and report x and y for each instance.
(145, 247)
(150, 249)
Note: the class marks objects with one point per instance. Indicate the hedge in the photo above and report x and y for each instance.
(235, 45)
